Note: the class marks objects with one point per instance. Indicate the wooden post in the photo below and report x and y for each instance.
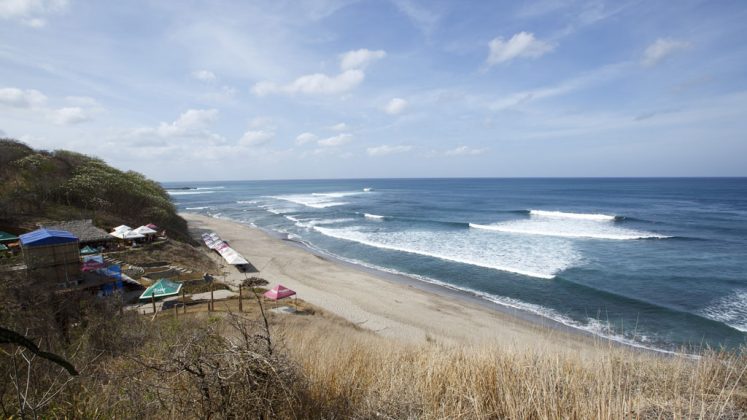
(153, 301)
(241, 306)
(176, 310)
(184, 302)
(211, 308)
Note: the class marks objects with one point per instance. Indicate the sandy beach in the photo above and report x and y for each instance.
(388, 307)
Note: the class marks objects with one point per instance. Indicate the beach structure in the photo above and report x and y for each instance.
(161, 289)
(8, 243)
(279, 292)
(51, 256)
(214, 242)
(87, 234)
(6, 238)
(126, 233)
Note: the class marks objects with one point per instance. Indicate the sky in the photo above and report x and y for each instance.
(309, 89)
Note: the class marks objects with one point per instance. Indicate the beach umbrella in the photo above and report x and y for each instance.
(279, 292)
(88, 250)
(144, 230)
(161, 288)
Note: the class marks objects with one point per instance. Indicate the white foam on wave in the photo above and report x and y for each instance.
(568, 225)
(210, 188)
(730, 309)
(309, 224)
(316, 201)
(520, 255)
(247, 202)
(568, 229)
(373, 216)
(190, 192)
(593, 326)
(565, 215)
(197, 208)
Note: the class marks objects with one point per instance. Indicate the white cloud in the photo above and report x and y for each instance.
(28, 11)
(204, 75)
(385, 150)
(337, 140)
(19, 98)
(351, 63)
(304, 138)
(521, 45)
(339, 127)
(660, 49)
(464, 151)
(312, 84)
(395, 106)
(359, 59)
(191, 125)
(256, 138)
(70, 115)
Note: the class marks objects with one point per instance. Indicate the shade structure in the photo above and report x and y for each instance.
(88, 250)
(144, 230)
(43, 237)
(127, 235)
(279, 292)
(213, 241)
(121, 228)
(93, 263)
(7, 237)
(3, 247)
(161, 288)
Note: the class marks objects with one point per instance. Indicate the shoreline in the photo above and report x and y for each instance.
(485, 320)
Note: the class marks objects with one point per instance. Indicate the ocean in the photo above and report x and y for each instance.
(656, 263)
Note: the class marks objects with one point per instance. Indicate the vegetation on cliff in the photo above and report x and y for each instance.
(39, 185)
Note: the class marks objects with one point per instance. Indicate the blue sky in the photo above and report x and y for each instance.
(403, 88)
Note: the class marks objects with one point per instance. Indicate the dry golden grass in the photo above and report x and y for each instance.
(353, 373)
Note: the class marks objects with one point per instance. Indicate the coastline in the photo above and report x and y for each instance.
(388, 304)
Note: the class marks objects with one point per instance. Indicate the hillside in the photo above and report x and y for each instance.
(39, 185)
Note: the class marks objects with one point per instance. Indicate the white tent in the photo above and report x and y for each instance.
(144, 230)
(127, 235)
(121, 228)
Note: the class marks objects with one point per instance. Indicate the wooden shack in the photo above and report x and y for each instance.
(51, 257)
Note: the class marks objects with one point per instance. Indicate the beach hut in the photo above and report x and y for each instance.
(84, 230)
(161, 289)
(51, 255)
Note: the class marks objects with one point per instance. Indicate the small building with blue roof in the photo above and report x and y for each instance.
(51, 256)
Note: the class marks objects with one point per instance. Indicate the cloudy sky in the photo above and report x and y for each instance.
(187, 90)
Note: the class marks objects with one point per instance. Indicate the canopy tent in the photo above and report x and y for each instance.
(3, 247)
(127, 235)
(43, 237)
(213, 241)
(279, 292)
(144, 230)
(232, 257)
(93, 262)
(7, 237)
(161, 288)
(121, 228)
(88, 250)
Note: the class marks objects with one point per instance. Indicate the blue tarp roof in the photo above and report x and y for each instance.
(41, 237)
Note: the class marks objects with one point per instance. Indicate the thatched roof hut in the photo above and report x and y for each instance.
(84, 230)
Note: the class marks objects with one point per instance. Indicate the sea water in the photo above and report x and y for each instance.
(658, 263)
